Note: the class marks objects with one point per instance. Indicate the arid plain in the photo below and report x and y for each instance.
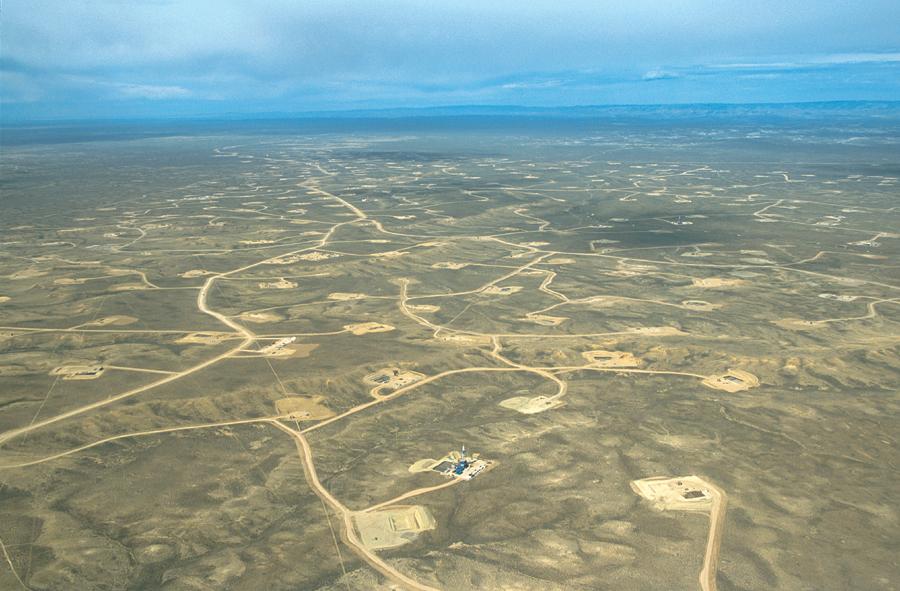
(239, 360)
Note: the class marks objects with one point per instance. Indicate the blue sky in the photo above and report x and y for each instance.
(126, 58)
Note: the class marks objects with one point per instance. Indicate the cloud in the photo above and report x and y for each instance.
(536, 84)
(660, 75)
(807, 61)
(102, 55)
(151, 91)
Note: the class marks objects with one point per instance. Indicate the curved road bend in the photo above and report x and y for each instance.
(348, 534)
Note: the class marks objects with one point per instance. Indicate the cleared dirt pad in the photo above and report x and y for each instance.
(545, 320)
(367, 327)
(497, 290)
(341, 296)
(449, 265)
(717, 282)
(683, 493)
(392, 378)
(280, 284)
(203, 338)
(529, 406)
(392, 527)
(78, 372)
(602, 358)
(735, 380)
(699, 305)
(303, 408)
(260, 317)
(112, 321)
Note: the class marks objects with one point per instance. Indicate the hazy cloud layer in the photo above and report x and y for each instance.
(134, 57)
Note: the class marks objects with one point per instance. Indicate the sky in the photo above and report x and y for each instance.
(75, 59)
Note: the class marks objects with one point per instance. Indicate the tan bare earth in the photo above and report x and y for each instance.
(393, 526)
(603, 358)
(112, 321)
(260, 317)
(128, 287)
(717, 282)
(68, 281)
(699, 305)
(392, 378)
(837, 297)
(691, 493)
(204, 338)
(367, 327)
(545, 320)
(78, 372)
(27, 274)
(463, 339)
(497, 290)
(561, 261)
(4, 298)
(423, 308)
(287, 347)
(316, 256)
(280, 284)
(797, 324)
(449, 265)
(341, 296)
(529, 406)
(195, 273)
(685, 493)
(423, 465)
(735, 380)
(303, 408)
(658, 331)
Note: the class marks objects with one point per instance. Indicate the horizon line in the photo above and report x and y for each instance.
(428, 111)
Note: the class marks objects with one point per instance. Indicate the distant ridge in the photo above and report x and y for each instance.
(877, 108)
(843, 110)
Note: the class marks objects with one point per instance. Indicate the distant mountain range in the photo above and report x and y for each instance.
(854, 109)
(835, 110)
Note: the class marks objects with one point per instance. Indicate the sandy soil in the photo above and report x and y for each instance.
(203, 338)
(717, 282)
(561, 261)
(342, 296)
(367, 327)
(545, 320)
(530, 406)
(497, 290)
(423, 465)
(280, 284)
(260, 317)
(195, 273)
(659, 331)
(464, 339)
(112, 321)
(449, 265)
(303, 408)
(699, 305)
(735, 380)
(797, 324)
(602, 358)
(393, 526)
(668, 494)
(78, 372)
(128, 287)
(423, 308)
(396, 378)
